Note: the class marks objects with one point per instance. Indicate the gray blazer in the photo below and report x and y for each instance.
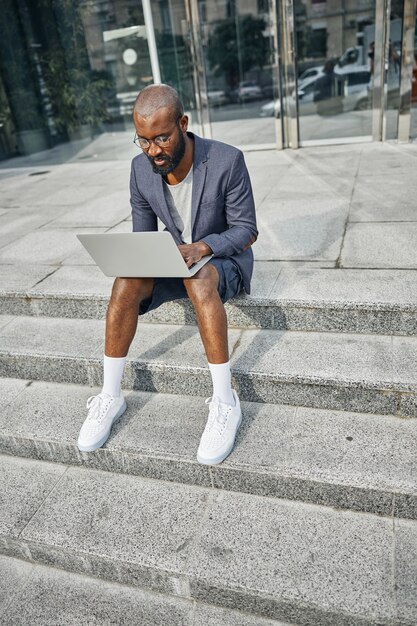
(223, 210)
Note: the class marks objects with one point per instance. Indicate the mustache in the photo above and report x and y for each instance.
(165, 157)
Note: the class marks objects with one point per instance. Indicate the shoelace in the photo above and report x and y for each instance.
(96, 404)
(218, 413)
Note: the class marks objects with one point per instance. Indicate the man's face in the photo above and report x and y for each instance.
(161, 127)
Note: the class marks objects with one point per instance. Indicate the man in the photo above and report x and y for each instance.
(328, 91)
(201, 191)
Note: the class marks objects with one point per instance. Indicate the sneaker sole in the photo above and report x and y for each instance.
(103, 440)
(218, 459)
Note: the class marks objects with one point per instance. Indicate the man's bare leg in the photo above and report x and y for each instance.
(210, 313)
(225, 415)
(122, 313)
(212, 324)
(122, 319)
(121, 323)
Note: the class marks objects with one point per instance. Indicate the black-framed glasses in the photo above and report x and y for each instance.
(162, 141)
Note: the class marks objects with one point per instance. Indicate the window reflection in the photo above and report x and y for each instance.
(393, 70)
(334, 48)
(237, 42)
(70, 70)
(413, 133)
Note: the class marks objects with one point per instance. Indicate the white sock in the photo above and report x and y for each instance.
(222, 384)
(113, 369)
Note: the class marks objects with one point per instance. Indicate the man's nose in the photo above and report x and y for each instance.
(154, 149)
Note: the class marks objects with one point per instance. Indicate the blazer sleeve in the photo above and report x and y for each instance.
(143, 217)
(240, 214)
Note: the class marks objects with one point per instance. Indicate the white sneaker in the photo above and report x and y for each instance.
(103, 412)
(219, 434)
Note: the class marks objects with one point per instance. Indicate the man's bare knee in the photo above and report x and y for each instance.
(131, 289)
(203, 285)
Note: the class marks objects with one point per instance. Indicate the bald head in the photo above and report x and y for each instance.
(155, 97)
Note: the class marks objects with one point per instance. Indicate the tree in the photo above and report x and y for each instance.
(18, 71)
(76, 92)
(236, 46)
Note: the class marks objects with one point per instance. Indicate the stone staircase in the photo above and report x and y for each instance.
(312, 520)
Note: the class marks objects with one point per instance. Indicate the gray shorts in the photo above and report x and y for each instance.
(168, 289)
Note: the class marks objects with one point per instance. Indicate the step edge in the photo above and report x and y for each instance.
(336, 494)
(384, 386)
(179, 584)
(248, 301)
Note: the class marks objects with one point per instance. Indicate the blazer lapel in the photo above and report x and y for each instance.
(199, 177)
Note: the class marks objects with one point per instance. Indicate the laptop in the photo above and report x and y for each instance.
(139, 255)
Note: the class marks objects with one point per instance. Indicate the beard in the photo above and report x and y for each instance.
(171, 161)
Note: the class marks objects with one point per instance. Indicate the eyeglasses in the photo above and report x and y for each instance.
(162, 141)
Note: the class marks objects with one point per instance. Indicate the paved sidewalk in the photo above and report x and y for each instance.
(347, 207)
(313, 517)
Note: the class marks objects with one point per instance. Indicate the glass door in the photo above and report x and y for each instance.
(393, 69)
(335, 49)
(238, 49)
(413, 129)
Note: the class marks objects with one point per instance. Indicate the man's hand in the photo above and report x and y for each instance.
(193, 252)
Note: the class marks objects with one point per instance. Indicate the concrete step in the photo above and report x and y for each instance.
(278, 559)
(283, 297)
(362, 373)
(44, 596)
(346, 460)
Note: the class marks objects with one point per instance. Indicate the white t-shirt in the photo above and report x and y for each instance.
(179, 200)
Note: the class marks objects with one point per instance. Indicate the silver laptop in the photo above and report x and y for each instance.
(151, 254)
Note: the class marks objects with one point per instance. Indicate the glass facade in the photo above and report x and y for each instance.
(70, 71)
(413, 131)
(237, 40)
(254, 73)
(393, 66)
(334, 39)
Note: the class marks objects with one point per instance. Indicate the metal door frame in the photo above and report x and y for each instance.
(199, 72)
(291, 119)
(407, 55)
(289, 112)
(290, 129)
(287, 127)
(200, 80)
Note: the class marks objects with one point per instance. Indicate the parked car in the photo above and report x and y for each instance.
(311, 72)
(271, 109)
(216, 97)
(248, 90)
(355, 88)
(268, 90)
(355, 93)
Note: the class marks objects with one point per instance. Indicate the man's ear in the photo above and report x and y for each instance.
(184, 123)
